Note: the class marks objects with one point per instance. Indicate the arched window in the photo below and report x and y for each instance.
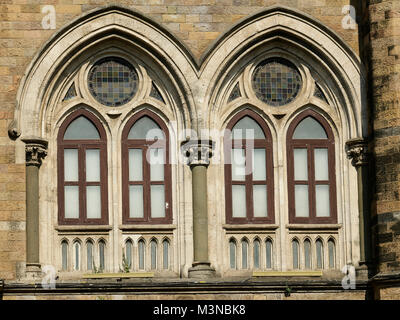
(268, 254)
(296, 254)
(77, 256)
(232, 254)
(153, 252)
(332, 253)
(307, 254)
(141, 251)
(245, 253)
(102, 258)
(128, 252)
(256, 254)
(89, 255)
(320, 253)
(64, 255)
(311, 170)
(82, 170)
(248, 170)
(165, 254)
(146, 173)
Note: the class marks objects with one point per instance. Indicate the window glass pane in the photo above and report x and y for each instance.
(309, 128)
(71, 200)
(238, 165)
(64, 253)
(77, 249)
(128, 253)
(307, 254)
(135, 165)
(232, 254)
(245, 249)
(71, 172)
(136, 201)
(295, 250)
(256, 254)
(93, 202)
(157, 201)
(238, 201)
(260, 200)
(268, 254)
(247, 128)
(145, 128)
(165, 254)
(156, 164)
(153, 246)
(81, 129)
(320, 254)
(300, 164)
(301, 200)
(259, 165)
(331, 248)
(322, 200)
(102, 255)
(141, 254)
(321, 164)
(89, 255)
(93, 165)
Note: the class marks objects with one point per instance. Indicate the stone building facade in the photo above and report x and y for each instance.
(83, 81)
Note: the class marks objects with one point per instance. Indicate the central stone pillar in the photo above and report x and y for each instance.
(357, 151)
(35, 150)
(199, 154)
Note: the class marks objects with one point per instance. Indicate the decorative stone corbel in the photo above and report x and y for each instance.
(357, 151)
(198, 152)
(35, 151)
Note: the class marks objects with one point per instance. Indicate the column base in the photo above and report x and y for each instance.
(33, 271)
(201, 270)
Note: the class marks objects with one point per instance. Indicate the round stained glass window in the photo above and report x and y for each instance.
(113, 81)
(276, 81)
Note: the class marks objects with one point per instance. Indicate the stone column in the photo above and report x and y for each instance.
(199, 154)
(357, 151)
(35, 150)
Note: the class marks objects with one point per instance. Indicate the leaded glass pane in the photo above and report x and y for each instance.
(309, 128)
(276, 81)
(235, 93)
(319, 94)
(81, 129)
(64, 253)
(113, 81)
(128, 253)
(145, 128)
(247, 128)
(71, 93)
(155, 93)
(77, 252)
(141, 249)
(102, 247)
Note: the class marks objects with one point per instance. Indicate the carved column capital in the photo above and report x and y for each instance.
(198, 152)
(35, 151)
(357, 151)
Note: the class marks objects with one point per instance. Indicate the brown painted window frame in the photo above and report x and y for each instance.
(82, 146)
(146, 182)
(258, 143)
(310, 145)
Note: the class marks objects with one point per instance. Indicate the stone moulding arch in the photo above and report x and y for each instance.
(170, 53)
(278, 27)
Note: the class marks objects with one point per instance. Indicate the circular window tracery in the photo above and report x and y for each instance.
(113, 81)
(276, 81)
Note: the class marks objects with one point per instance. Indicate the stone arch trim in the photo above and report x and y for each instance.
(117, 21)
